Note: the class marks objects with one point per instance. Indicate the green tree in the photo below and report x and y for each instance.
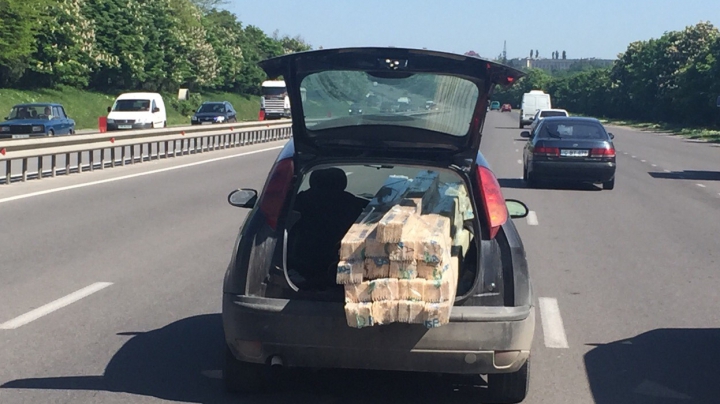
(20, 21)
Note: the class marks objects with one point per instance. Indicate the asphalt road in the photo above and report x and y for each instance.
(627, 280)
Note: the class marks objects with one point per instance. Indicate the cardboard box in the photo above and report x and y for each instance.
(359, 315)
(437, 314)
(411, 289)
(403, 269)
(411, 312)
(385, 312)
(376, 268)
(350, 272)
(372, 291)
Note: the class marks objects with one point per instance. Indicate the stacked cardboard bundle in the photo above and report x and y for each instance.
(396, 260)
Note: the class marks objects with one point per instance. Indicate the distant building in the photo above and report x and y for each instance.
(551, 65)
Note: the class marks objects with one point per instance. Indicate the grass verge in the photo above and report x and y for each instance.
(86, 106)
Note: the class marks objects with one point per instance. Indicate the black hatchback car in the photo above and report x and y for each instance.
(281, 307)
(569, 149)
(214, 112)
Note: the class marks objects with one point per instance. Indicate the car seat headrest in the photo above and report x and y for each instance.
(330, 179)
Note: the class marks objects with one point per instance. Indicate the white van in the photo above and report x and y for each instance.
(532, 102)
(137, 111)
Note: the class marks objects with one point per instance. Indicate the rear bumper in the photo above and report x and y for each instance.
(135, 126)
(574, 171)
(316, 335)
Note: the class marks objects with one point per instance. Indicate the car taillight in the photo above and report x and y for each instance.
(492, 199)
(602, 152)
(276, 191)
(546, 151)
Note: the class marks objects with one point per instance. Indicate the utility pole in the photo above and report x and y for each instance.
(504, 51)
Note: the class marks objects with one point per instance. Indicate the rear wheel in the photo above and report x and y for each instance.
(242, 377)
(509, 388)
(531, 179)
(609, 184)
(51, 132)
(521, 125)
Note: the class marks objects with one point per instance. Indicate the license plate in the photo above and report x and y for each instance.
(20, 136)
(205, 123)
(574, 153)
(125, 126)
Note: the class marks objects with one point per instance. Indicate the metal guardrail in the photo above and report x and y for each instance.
(39, 158)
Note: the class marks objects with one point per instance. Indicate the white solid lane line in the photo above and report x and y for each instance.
(552, 323)
(125, 177)
(53, 306)
(532, 218)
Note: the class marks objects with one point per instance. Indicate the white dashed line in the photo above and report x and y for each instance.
(552, 323)
(667, 171)
(517, 150)
(644, 161)
(654, 165)
(700, 185)
(634, 157)
(519, 161)
(53, 306)
(349, 173)
(532, 219)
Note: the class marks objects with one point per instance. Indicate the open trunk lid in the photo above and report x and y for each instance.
(392, 85)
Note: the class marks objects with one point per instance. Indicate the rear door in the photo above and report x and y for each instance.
(337, 78)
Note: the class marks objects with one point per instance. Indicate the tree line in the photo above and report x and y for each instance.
(158, 45)
(672, 79)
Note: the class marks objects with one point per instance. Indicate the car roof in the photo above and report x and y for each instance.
(134, 95)
(34, 104)
(572, 119)
(553, 110)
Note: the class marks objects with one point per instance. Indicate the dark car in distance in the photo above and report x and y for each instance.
(282, 306)
(355, 109)
(211, 112)
(36, 119)
(574, 149)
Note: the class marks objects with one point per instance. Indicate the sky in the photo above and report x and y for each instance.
(601, 28)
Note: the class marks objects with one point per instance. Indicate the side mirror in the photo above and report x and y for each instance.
(109, 109)
(525, 134)
(155, 110)
(611, 136)
(194, 111)
(243, 198)
(718, 102)
(516, 209)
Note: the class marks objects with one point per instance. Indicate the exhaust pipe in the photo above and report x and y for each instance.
(276, 362)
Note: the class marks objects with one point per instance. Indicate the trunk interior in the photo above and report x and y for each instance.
(325, 206)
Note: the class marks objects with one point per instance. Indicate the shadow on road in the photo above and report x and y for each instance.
(519, 183)
(659, 366)
(182, 362)
(688, 175)
(508, 127)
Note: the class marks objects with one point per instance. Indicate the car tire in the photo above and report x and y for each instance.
(509, 388)
(242, 377)
(164, 124)
(522, 126)
(608, 185)
(51, 133)
(531, 179)
(72, 132)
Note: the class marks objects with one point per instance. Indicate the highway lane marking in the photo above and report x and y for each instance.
(53, 306)
(519, 161)
(700, 185)
(552, 323)
(532, 219)
(644, 161)
(125, 177)
(517, 150)
(667, 171)
(634, 157)
(654, 165)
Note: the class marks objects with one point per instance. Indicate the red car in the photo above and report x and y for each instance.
(506, 107)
